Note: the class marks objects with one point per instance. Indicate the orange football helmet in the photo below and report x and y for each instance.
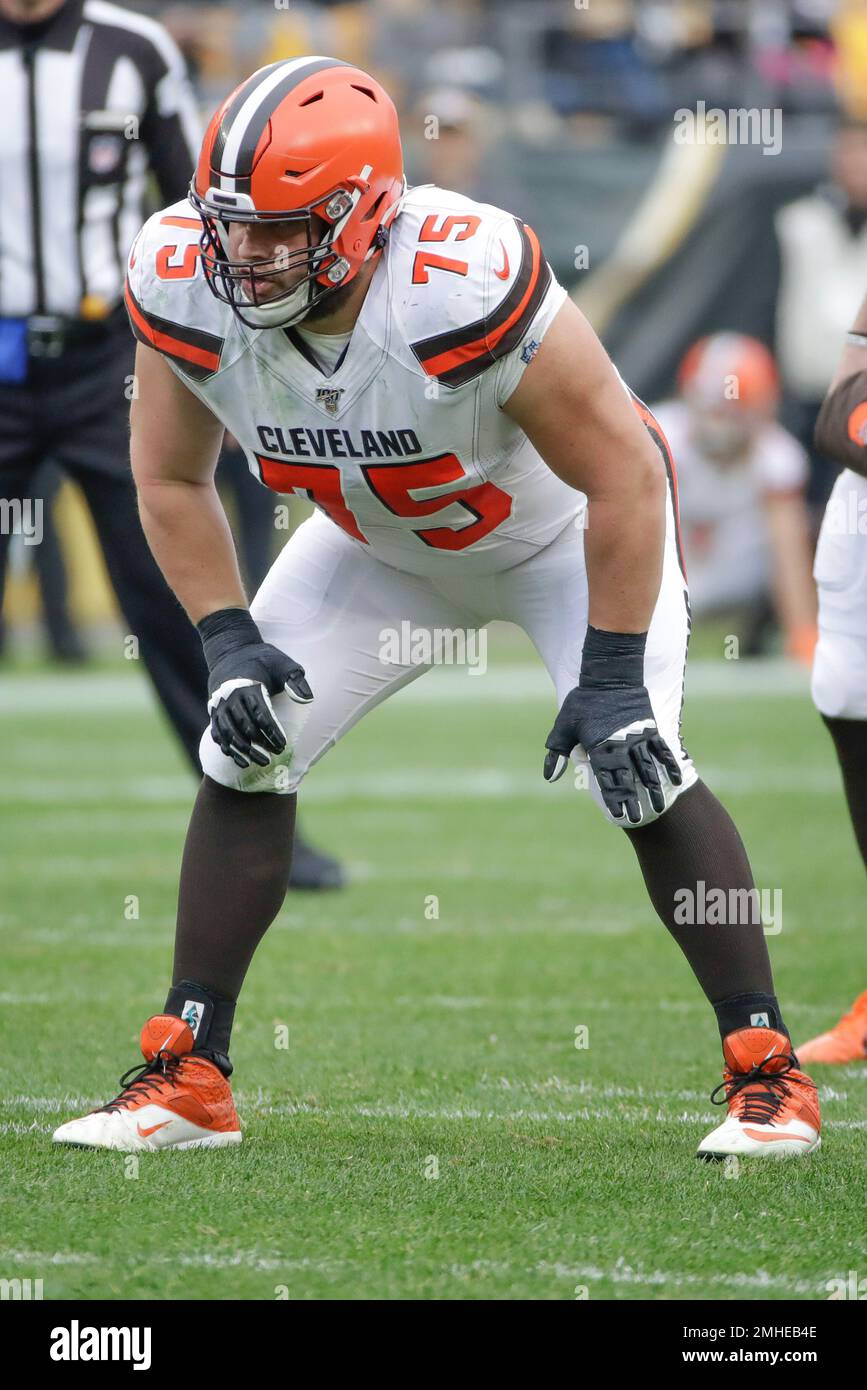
(730, 368)
(301, 139)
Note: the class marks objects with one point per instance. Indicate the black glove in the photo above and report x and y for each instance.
(243, 672)
(610, 715)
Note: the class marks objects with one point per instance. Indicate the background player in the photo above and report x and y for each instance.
(741, 480)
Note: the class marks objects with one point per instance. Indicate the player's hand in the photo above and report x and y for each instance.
(617, 730)
(610, 715)
(243, 673)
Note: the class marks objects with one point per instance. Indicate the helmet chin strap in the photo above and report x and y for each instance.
(293, 307)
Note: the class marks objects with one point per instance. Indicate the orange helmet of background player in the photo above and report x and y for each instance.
(309, 140)
(730, 369)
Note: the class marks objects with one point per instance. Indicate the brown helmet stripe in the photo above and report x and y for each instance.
(236, 149)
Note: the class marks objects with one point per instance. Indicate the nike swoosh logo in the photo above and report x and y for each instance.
(143, 1133)
(504, 273)
(775, 1138)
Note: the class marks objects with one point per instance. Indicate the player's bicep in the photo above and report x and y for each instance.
(174, 437)
(573, 406)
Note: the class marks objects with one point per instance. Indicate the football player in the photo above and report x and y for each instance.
(840, 666)
(741, 480)
(406, 359)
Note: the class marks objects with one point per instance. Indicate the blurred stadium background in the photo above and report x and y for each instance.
(565, 114)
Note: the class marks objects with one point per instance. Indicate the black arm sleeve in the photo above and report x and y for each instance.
(170, 127)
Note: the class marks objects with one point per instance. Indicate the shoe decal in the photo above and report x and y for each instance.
(775, 1138)
(152, 1129)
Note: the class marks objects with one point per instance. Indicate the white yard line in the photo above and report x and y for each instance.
(576, 1273)
(424, 784)
(580, 1114)
(622, 1273)
(31, 695)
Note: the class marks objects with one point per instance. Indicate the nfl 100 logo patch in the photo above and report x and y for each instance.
(329, 396)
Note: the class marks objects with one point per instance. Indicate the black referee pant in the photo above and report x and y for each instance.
(74, 409)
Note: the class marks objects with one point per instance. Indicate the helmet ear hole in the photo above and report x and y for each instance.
(374, 208)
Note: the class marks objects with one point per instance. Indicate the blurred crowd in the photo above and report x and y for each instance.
(633, 60)
(695, 265)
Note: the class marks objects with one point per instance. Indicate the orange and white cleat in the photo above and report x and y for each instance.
(846, 1041)
(177, 1100)
(773, 1107)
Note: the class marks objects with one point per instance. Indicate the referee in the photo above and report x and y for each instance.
(94, 99)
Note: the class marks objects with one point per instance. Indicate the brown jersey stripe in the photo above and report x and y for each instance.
(196, 351)
(459, 355)
(260, 117)
(426, 348)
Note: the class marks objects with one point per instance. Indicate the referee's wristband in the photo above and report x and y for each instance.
(612, 660)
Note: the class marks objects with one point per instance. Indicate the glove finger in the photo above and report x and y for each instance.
(254, 705)
(296, 686)
(622, 805)
(235, 727)
(267, 722)
(257, 754)
(241, 721)
(555, 765)
(222, 740)
(634, 813)
(663, 754)
(646, 769)
(232, 744)
(617, 779)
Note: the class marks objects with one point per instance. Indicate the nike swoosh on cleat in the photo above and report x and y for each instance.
(143, 1133)
(504, 273)
(775, 1138)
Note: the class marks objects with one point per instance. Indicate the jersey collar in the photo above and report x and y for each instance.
(290, 361)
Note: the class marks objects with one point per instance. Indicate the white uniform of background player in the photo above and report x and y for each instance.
(432, 505)
(725, 531)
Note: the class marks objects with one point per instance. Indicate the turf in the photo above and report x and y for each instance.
(430, 1130)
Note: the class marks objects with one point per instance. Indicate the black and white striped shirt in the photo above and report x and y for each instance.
(90, 100)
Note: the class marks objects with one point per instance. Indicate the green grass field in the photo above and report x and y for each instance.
(431, 1130)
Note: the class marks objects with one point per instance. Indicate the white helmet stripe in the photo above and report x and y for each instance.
(258, 96)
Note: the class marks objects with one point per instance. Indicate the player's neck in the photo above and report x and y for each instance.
(343, 318)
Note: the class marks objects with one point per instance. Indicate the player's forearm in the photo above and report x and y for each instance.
(189, 536)
(623, 546)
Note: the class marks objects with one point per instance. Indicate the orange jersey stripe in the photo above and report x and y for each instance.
(163, 342)
(435, 366)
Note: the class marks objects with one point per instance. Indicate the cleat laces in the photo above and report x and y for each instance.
(758, 1094)
(140, 1081)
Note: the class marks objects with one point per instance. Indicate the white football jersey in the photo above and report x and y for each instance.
(722, 507)
(404, 446)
